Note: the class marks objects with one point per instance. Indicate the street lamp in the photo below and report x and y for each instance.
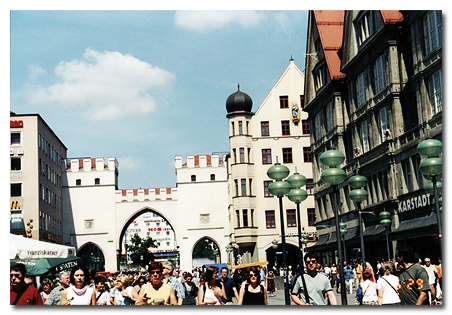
(343, 231)
(358, 195)
(229, 249)
(334, 176)
(433, 166)
(280, 188)
(298, 195)
(386, 222)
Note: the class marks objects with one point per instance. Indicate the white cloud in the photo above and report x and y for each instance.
(129, 163)
(208, 20)
(35, 72)
(104, 85)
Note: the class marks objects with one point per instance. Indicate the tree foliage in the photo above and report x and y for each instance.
(139, 250)
(204, 249)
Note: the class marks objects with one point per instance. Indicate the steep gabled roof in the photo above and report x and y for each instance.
(330, 25)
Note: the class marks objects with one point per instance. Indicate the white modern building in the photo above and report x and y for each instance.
(278, 131)
(36, 164)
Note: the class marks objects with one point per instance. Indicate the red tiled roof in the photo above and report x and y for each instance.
(330, 25)
(391, 16)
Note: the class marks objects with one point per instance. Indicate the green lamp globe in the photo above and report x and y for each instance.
(332, 158)
(279, 188)
(296, 180)
(358, 195)
(385, 222)
(274, 244)
(440, 200)
(297, 195)
(430, 147)
(357, 181)
(431, 190)
(305, 241)
(278, 172)
(333, 176)
(431, 166)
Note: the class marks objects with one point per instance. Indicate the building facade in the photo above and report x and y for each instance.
(377, 74)
(37, 165)
(278, 131)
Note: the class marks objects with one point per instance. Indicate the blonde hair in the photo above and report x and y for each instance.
(387, 268)
(124, 279)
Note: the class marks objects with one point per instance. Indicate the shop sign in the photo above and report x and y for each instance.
(16, 123)
(414, 203)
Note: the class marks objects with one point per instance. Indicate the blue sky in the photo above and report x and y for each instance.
(145, 86)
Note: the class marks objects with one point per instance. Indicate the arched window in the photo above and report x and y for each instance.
(212, 176)
(97, 181)
(78, 182)
(193, 178)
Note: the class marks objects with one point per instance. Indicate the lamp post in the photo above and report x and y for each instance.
(432, 166)
(343, 231)
(298, 195)
(229, 249)
(334, 176)
(358, 195)
(386, 222)
(280, 188)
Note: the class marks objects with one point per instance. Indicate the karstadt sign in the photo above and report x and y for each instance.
(414, 203)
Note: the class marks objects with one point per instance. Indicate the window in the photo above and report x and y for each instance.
(287, 155)
(232, 128)
(284, 102)
(212, 176)
(266, 156)
(307, 154)
(320, 77)
(417, 171)
(193, 178)
(384, 124)
(432, 31)
(234, 152)
(301, 101)
(250, 181)
(245, 218)
(407, 173)
(364, 134)
(364, 28)
(15, 138)
(435, 92)
(285, 127)
(237, 212)
(240, 128)
(78, 182)
(16, 164)
(329, 117)
(16, 190)
(97, 181)
(266, 191)
(311, 216)
(270, 219)
(380, 73)
(236, 182)
(242, 155)
(361, 97)
(265, 129)
(247, 127)
(252, 217)
(310, 186)
(243, 186)
(291, 218)
(318, 127)
(305, 126)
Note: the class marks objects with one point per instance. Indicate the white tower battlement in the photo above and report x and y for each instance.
(146, 194)
(92, 164)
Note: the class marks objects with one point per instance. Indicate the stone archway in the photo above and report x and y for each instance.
(215, 252)
(275, 257)
(92, 256)
(148, 222)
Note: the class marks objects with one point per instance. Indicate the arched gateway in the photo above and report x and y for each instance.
(96, 212)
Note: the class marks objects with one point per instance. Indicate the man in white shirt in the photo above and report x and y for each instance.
(431, 270)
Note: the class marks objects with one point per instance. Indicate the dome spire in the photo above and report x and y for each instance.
(238, 87)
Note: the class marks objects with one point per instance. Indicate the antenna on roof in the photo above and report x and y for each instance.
(291, 59)
(238, 87)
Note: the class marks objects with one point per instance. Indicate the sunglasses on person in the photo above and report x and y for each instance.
(312, 261)
(154, 272)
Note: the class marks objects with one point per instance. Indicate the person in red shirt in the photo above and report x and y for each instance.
(20, 292)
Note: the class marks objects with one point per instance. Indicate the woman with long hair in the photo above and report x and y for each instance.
(46, 287)
(252, 292)
(79, 292)
(271, 282)
(191, 290)
(387, 286)
(211, 291)
(102, 296)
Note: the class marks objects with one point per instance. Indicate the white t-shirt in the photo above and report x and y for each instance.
(390, 296)
(431, 270)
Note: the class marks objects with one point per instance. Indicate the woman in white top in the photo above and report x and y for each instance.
(79, 293)
(211, 292)
(387, 287)
(367, 291)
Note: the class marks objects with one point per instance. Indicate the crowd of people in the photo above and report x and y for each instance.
(400, 281)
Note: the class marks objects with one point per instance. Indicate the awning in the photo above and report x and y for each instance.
(46, 266)
(414, 224)
(322, 239)
(374, 230)
(26, 248)
(352, 233)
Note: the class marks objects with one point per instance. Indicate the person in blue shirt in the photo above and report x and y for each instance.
(348, 276)
(229, 286)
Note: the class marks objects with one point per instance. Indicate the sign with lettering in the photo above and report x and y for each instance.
(16, 123)
(414, 203)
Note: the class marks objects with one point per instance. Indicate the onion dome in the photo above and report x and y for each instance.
(238, 102)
